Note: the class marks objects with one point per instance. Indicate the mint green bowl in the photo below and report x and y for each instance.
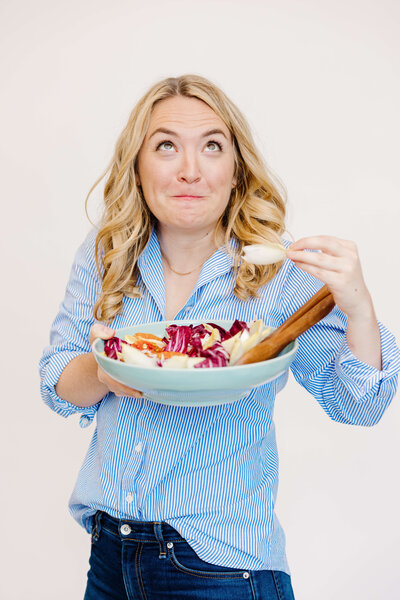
(191, 387)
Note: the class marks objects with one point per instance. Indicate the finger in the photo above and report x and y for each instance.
(107, 380)
(125, 391)
(318, 259)
(329, 278)
(326, 243)
(119, 389)
(100, 331)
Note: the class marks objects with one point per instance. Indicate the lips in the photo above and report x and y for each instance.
(186, 196)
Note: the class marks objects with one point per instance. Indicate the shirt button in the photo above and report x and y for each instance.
(125, 529)
(139, 447)
(188, 308)
(129, 498)
(84, 421)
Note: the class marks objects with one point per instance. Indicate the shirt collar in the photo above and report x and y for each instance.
(151, 271)
(218, 264)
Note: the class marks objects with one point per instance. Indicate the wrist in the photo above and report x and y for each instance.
(363, 338)
(363, 314)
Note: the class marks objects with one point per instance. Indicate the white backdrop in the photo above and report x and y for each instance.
(319, 83)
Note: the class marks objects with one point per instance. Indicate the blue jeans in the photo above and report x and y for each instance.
(132, 560)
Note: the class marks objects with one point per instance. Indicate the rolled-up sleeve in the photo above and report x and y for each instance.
(69, 336)
(349, 390)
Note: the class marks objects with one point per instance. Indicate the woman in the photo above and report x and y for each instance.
(188, 493)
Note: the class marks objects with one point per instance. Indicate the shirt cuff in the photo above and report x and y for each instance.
(50, 375)
(362, 379)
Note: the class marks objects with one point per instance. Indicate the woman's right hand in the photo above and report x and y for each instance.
(105, 333)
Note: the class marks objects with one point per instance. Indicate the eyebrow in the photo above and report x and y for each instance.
(205, 134)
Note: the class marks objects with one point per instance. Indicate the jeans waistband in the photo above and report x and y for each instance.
(140, 531)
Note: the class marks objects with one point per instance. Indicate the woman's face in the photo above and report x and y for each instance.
(186, 165)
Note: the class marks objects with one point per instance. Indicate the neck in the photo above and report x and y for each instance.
(185, 251)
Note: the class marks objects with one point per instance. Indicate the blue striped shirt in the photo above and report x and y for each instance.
(210, 472)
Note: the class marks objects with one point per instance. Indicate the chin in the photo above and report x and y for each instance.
(188, 224)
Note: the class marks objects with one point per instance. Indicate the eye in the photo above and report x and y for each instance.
(215, 146)
(167, 145)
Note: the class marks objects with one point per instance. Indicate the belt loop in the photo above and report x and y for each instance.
(160, 540)
(96, 526)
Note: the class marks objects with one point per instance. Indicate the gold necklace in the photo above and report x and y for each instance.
(188, 272)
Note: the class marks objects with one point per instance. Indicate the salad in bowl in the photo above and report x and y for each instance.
(190, 363)
(205, 345)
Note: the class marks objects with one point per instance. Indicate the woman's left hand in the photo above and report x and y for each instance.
(338, 266)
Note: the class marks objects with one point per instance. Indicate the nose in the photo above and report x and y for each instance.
(189, 170)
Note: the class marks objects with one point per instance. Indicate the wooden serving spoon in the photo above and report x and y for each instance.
(315, 309)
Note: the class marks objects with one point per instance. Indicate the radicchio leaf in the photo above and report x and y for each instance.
(223, 332)
(215, 356)
(179, 338)
(112, 346)
(199, 332)
(238, 326)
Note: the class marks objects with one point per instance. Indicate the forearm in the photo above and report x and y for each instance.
(79, 383)
(342, 377)
(363, 338)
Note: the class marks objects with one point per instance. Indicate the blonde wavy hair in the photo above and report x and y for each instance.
(255, 212)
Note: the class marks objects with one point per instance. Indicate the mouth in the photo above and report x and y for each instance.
(187, 197)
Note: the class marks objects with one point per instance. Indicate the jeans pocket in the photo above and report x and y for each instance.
(184, 559)
(283, 585)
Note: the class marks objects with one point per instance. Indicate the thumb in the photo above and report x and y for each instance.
(100, 331)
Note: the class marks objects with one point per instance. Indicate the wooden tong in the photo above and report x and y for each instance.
(315, 309)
